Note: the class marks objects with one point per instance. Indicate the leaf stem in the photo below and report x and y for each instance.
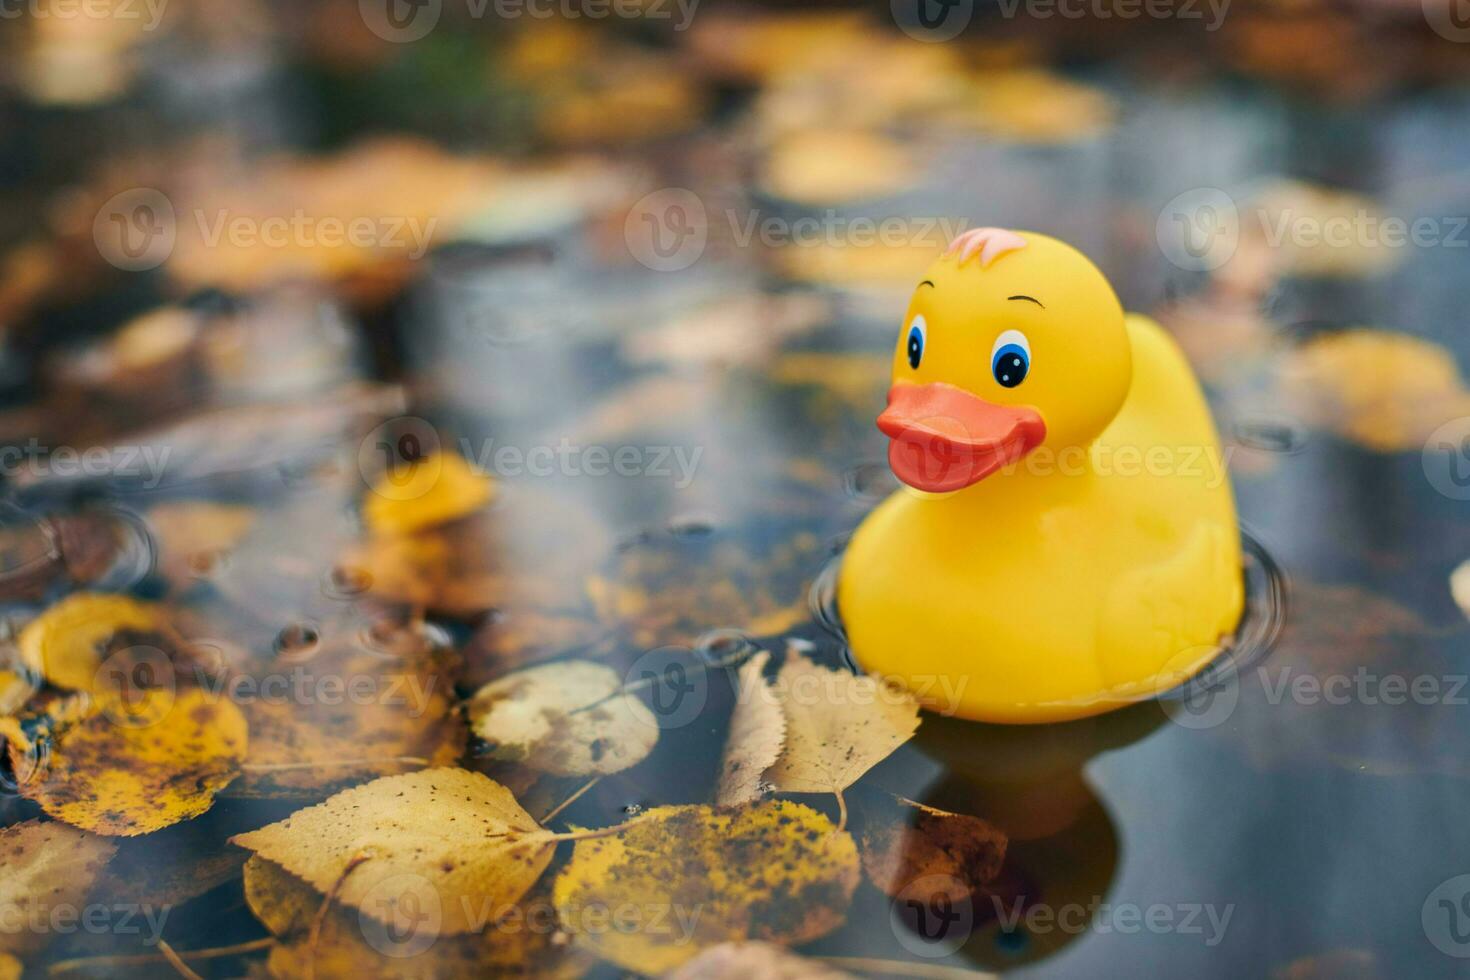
(407, 760)
(139, 959)
(320, 918)
(569, 800)
(903, 968)
(179, 965)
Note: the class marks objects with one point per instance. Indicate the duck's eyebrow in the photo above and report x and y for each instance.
(926, 282)
(1029, 299)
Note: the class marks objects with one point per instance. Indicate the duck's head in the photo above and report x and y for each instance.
(1012, 341)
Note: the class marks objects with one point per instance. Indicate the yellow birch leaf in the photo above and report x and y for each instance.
(776, 871)
(838, 726)
(449, 840)
(65, 643)
(567, 718)
(1460, 586)
(43, 867)
(15, 691)
(10, 967)
(757, 732)
(519, 940)
(122, 767)
(437, 489)
(904, 841)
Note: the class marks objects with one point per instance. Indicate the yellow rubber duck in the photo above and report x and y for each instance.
(1069, 544)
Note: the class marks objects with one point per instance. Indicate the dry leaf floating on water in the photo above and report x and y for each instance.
(568, 718)
(838, 726)
(757, 733)
(456, 841)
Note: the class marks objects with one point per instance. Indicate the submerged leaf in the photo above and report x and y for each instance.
(395, 705)
(65, 643)
(457, 838)
(905, 841)
(517, 940)
(423, 493)
(190, 534)
(757, 733)
(122, 767)
(567, 718)
(838, 726)
(776, 871)
(1460, 587)
(43, 867)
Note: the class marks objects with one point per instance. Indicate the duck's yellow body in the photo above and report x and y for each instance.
(1080, 549)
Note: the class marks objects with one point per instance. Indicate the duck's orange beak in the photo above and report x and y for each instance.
(945, 438)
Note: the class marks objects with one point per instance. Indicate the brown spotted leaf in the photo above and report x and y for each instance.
(44, 866)
(126, 766)
(777, 871)
(903, 841)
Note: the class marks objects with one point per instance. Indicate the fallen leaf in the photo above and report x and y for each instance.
(397, 702)
(282, 902)
(1459, 588)
(670, 589)
(424, 493)
(1385, 390)
(776, 871)
(458, 837)
(15, 691)
(519, 940)
(567, 718)
(757, 733)
(65, 644)
(740, 961)
(44, 867)
(10, 967)
(904, 841)
(126, 766)
(838, 726)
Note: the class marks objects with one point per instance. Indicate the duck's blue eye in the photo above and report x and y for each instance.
(915, 343)
(1010, 359)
